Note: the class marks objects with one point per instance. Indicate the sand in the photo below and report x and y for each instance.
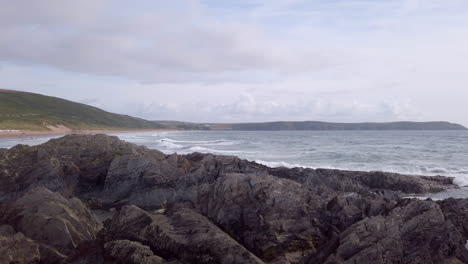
(58, 131)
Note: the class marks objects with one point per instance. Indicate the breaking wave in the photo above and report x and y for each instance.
(220, 142)
(460, 175)
(408, 152)
(170, 145)
(277, 164)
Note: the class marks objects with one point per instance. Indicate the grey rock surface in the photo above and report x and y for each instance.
(179, 234)
(129, 252)
(57, 224)
(16, 248)
(204, 208)
(413, 232)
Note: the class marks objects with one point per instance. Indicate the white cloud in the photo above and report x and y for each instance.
(248, 60)
(248, 107)
(170, 44)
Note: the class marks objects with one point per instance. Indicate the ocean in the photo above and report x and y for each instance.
(407, 152)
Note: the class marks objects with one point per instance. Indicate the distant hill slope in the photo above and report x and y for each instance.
(316, 125)
(29, 111)
(183, 125)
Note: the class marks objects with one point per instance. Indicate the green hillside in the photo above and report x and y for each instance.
(29, 111)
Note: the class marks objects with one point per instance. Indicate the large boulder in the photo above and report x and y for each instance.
(66, 165)
(60, 224)
(274, 218)
(16, 248)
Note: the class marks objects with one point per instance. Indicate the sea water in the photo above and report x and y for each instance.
(407, 152)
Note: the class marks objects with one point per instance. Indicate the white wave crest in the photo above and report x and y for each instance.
(170, 145)
(220, 142)
(276, 164)
(202, 149)
(461, 180)
(217, 151)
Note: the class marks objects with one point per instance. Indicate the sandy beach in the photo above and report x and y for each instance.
(63, 131)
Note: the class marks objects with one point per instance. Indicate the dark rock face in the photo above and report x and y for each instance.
(178, 234)
(57, 224)
(456, 210)
(126, 251)
(272, 217)
(402, 236)
(202, 208)
(16, 248)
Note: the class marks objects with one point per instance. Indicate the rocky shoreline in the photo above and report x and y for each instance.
(97, 199)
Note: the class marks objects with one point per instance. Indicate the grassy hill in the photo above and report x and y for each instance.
(29, 111)
(179, 125)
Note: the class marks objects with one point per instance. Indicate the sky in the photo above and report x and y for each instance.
(243, 60)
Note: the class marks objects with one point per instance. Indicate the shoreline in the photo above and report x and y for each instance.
(126, 189)
(29, 133)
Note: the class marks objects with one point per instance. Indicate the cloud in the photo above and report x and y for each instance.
(249, 108)
(206, 41)
(51, 12)
(164, 44)
(246, 60)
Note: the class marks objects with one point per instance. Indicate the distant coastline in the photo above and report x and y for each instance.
(30, 114)
(267, 126)
(329, 126)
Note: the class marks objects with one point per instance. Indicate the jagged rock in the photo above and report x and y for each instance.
(346, 209)
(457, 211)
(204, 208)
(129, 252)
(58, 223)
(16, 248)
(413, 232)
(33, 251)
(72, 164)
(272, 217)
(328, 182)
(180, 234)
(107, 169)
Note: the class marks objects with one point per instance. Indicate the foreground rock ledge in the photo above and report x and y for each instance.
(97, 199)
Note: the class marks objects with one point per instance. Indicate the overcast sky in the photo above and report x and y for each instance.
(243, 60)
